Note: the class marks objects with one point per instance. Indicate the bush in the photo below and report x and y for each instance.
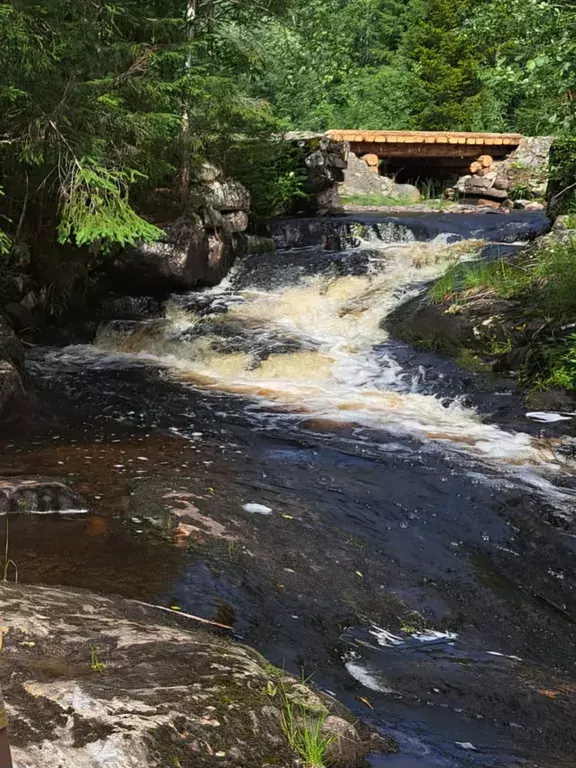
(563, 176)
(272, 169)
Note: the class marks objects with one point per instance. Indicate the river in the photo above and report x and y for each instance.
(264, 455)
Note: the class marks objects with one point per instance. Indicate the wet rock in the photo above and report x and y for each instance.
(346, 747)
(260, 244)
(33, 496)
(431, 326)
(91, 681)
(130, 308)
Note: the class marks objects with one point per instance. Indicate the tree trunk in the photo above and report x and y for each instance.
(185, 132)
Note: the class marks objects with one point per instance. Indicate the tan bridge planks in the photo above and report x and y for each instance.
(454, 138)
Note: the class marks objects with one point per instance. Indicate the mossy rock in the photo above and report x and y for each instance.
(87, 677)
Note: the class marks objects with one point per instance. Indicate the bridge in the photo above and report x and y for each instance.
(408, 154)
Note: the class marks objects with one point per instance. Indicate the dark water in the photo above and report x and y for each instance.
(428, 586)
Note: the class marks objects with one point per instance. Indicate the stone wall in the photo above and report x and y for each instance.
(326, 161)
(521, 178)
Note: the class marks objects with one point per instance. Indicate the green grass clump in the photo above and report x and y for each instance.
(503, 278)
(304, 729)
(384, 201)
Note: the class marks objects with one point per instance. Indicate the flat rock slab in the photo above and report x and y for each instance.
(92, 682)
(38, 497)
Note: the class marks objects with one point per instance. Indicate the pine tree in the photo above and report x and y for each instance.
(446, 60)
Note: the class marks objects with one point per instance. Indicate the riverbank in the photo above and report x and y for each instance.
(511, 311)
(91, 679)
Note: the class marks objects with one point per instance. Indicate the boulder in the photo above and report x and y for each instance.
(360, 181)
(187, 256)
(226, 195)
(235, 221)
(91, 682)
(406, 193)
(346, 747)
(206, 173)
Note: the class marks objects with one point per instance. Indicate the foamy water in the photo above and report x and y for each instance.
(329, 372)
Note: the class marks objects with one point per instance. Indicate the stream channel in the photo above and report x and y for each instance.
(369, 514)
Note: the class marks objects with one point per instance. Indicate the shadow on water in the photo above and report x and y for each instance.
(431, 590)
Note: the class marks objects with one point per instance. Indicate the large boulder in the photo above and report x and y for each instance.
(226, 195)
(361, 181)
(202, 237)
(92, 682)
(188, 255)
(38, 497)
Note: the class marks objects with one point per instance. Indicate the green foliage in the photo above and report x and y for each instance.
(505, 278)
(95, 208)
(530, 68)
(447, 63)
(563, 175)
(272, 169)
(98, 100)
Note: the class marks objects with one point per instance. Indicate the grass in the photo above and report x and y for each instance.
(7, 560)
(383, 201)
(304, 729)
(503, 278)
(95, 664)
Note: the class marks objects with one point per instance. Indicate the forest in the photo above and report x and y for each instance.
(99, 99)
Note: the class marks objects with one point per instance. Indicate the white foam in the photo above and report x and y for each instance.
(257, 509)
(365, 678)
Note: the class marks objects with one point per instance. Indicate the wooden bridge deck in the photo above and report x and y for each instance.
(428, 143)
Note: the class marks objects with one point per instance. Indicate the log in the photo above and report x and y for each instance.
(372, 161)
(475, 167)
(486, 161)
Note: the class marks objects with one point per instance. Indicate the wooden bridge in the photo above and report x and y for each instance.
(409, 154)
(428, 143)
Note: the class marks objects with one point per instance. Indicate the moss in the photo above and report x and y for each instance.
(470, 361)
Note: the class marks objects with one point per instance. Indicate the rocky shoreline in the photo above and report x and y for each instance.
(92, 681)
(484, 330)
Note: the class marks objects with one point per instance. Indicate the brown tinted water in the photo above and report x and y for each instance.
(371, 532)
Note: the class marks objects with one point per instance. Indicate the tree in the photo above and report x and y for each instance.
(92, 96)
(447, 63)
(532, 69)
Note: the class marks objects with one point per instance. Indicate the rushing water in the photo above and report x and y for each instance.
(266, 455)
